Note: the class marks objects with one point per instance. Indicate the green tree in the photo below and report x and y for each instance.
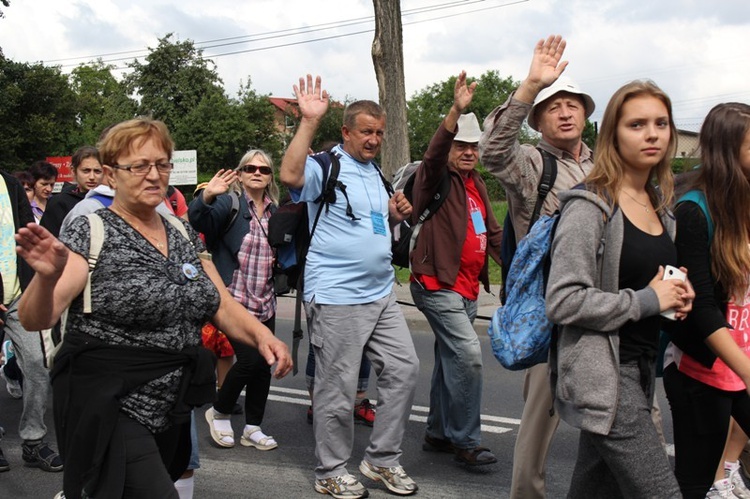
(173, 81)
(427, 107)
(178, 86)
(589, 134)
(38, 116)
(222, 129)
(101, 100)
(6, 3)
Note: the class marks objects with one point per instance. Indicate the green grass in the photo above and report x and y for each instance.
(499, 208)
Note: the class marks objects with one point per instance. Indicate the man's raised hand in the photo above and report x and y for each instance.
(312, 99)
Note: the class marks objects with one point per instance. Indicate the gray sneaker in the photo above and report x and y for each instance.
(395, 478)
(341, 487)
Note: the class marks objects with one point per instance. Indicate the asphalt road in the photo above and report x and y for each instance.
(287, 472)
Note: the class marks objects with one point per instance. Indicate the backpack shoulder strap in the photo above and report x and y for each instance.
(95, 247)
(234, 211)
(546, 182)
(330, 163)
(177, 224)
(437, 199)
(699, 197)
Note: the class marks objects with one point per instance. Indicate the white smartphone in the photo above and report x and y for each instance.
(672, 273)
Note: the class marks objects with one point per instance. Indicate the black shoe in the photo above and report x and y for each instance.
(41, 455)
(432, 444)
(4, 466)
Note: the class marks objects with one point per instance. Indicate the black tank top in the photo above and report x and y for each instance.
(641, 256)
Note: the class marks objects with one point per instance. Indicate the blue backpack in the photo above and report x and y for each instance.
(520, 332)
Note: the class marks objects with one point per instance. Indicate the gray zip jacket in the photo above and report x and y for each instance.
(583, 298)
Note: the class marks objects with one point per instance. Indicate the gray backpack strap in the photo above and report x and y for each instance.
(95, 247)
(177, 224)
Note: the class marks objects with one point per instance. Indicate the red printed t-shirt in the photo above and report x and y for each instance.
(473, 253)
(720, 375)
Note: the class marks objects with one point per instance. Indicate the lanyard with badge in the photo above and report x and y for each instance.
(476, 217)
(377, 218)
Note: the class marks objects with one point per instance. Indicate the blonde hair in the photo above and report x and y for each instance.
(272, 189)
(606, 176)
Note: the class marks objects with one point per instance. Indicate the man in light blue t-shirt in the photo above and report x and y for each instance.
(349, 299)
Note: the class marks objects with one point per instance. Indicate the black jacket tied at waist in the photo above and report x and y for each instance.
(89, 378)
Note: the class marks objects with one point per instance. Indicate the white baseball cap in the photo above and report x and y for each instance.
(562, 84)
(468, 129)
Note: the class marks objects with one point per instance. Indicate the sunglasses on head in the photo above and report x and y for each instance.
(264, 170)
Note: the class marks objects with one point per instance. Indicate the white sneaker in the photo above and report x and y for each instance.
(13, 385)
(740, 489)
(721, 490)
(341, 487)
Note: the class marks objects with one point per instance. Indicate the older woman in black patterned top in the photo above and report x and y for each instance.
(129, 371)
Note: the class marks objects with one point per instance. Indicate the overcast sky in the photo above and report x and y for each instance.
(698, 51)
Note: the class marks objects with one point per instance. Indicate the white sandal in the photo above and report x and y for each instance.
(261, 440)
(221, 438)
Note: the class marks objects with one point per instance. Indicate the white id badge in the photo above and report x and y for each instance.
(378, 223)
(478, 221)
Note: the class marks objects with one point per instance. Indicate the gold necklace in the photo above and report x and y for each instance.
(157, 242)
(645, 206)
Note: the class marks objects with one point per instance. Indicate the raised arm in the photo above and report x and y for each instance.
(313, 105)
(60, 276)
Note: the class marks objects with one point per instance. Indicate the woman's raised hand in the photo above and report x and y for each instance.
(42, 251)
(219, 184)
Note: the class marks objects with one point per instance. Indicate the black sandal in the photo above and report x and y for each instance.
(477, 456)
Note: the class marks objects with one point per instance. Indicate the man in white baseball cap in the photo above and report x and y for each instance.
(557, 108)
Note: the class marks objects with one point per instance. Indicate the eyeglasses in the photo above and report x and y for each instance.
(144, 168)
(264, 170)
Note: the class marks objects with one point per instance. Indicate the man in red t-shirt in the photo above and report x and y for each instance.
(449, 261)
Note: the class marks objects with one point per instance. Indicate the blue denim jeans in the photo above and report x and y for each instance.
(456, 388)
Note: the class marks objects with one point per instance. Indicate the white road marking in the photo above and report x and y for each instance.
(303, 399)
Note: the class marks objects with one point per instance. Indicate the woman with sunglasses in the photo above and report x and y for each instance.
(245, 261)
(130, 368)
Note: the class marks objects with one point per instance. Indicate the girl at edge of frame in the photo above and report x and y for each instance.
(707, 370)
(606, 291)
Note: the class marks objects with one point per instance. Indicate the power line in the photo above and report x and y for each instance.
(320, 27)
(282, 33)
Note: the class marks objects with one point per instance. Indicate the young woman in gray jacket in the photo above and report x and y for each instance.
(605, 292)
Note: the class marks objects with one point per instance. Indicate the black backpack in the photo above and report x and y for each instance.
(508, 244)
(404, 235)
(288, 226)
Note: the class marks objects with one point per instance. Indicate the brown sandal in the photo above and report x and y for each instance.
(475, 457)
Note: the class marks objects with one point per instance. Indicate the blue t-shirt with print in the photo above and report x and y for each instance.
(349, 261)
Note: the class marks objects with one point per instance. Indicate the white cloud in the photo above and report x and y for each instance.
(694, 49)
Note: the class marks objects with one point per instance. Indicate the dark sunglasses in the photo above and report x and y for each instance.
(264, 170)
